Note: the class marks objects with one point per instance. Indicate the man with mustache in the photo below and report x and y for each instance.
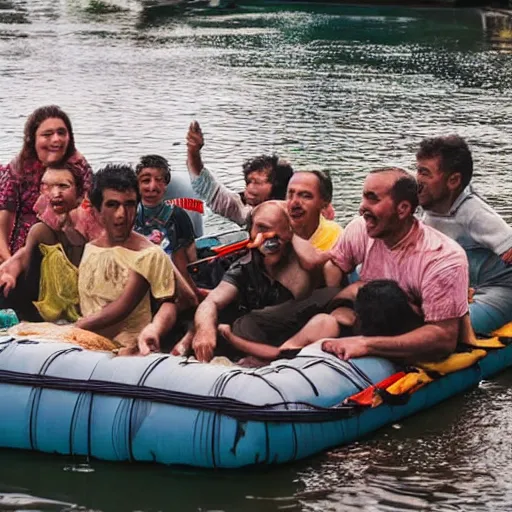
(390, 243)
(268, 178)
(444, 172)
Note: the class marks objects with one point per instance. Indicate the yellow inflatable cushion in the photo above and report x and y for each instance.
(504, 332)
(413, 381)
(409, 383)
(453, 363)
(485, 343)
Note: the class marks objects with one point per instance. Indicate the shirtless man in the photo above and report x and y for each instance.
(268, 284)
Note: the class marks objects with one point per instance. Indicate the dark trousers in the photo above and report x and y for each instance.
(273, 325)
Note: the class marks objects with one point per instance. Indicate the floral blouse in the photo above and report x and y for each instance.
(19, 193)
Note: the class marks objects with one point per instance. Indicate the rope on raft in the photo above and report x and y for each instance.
(282, 412)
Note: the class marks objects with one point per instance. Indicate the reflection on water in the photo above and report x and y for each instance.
(337, 88)
(342, 89)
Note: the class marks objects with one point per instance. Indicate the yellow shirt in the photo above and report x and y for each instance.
(103, 275)
(326, 234)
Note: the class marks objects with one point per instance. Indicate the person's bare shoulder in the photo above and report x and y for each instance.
(40, 233)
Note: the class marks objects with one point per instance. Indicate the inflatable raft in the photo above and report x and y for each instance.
(60, 398)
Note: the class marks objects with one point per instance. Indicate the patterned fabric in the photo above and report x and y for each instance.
(171, 222)
(189, 203)
(431, 268)
(19, 192)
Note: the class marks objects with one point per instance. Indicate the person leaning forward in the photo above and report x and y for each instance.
(390, 243)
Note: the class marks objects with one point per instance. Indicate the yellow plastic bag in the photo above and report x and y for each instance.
(58, 286)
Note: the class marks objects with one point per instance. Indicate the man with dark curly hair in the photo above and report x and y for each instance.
(266, 177)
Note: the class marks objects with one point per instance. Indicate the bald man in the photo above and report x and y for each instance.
(268, 276)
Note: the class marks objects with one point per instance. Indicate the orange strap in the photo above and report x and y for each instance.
(366, 397)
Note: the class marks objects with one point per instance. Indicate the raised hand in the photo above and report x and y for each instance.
(195, 139)
(195, 142)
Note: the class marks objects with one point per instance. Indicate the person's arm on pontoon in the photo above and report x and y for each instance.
(206, 318)
(430, 341)
(163, 321)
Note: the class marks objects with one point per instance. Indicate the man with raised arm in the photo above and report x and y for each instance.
(266, 177)
(444, 172)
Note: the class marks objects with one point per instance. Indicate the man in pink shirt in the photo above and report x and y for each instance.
(390, 243)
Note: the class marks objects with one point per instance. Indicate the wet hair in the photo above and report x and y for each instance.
(405, 188)
(120, 177)
(33, 122)
(453, 153)
(75, 171)
(382, 309)
(279, 173)
(324, 184)
(156, 162)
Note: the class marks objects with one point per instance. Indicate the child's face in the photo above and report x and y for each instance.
(60, 188)
(151, 186)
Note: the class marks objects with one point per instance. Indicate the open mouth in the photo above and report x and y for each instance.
(57, 204)
(56, 150)
(297, 213)
(271, 245)
(371, 220)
